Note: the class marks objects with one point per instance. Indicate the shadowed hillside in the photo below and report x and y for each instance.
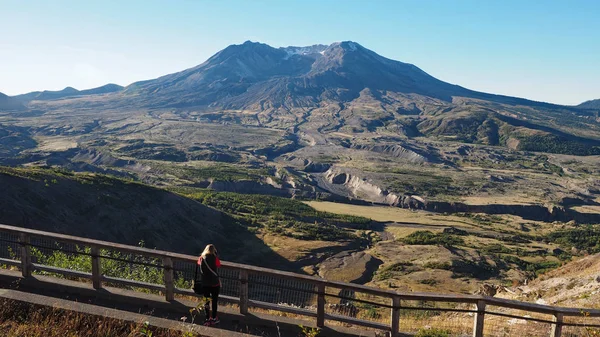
(106, 208)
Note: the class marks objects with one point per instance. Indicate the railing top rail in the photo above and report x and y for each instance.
(91, 242)
(458, 298)
(540, 308)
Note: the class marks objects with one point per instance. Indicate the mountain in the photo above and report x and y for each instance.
(593, 104)
(255, 74)
(348, 88)
(314, 92)
(67, 92)
(9, 103)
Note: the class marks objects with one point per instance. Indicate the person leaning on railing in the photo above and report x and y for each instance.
(207, 282)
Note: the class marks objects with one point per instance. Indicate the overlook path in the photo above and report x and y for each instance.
(136, 307)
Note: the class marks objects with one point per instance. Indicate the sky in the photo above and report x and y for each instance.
(541, 50)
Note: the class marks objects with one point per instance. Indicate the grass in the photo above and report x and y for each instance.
(19, 319)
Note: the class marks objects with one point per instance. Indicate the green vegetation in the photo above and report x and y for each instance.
(555, 144)
(389, 271)
(280, 215)
(503, 261)
(430, 238)
(433, 333)
(308, 331)
(522, 161)
(461, 128)
(114, 264)
(587, 238)
(429, 281)
(480, 269)
(52, 176)
(219, 171)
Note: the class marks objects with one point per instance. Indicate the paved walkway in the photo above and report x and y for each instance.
(139, 307)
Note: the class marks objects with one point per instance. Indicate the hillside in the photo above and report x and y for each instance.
(260, 230)
(593, 104)
(576, 284)
(9, 103)
(106, 208)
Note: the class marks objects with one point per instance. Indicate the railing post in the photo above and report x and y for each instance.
(169, 283)
(479, 319)
(243, 292)
(556, 330)
(321, 305)
(395, 317)
(26, 265)
(96, 271)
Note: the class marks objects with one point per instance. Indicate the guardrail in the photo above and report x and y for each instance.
(255, 287)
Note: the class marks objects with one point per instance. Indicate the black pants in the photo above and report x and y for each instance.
(213, 294)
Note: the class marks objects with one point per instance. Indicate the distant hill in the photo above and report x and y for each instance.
(67, 92)
(101, 207)
(10, 103)
(593, 104)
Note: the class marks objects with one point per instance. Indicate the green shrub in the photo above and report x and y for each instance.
(429, 281)
(496, 248)
(388, 272)
(429, 238)
(433, 333)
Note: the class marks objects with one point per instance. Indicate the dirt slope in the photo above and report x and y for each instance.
(576, 284)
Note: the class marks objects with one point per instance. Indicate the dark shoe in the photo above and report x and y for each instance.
(209, 322)
(216, 320)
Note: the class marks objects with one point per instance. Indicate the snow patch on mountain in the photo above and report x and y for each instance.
(309, 50)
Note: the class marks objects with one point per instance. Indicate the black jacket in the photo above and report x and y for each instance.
(208, 278)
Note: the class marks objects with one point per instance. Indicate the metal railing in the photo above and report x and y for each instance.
(255, 287)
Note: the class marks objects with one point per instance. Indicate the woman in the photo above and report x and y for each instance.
(208, 264)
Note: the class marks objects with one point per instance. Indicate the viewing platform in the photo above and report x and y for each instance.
(139, 284)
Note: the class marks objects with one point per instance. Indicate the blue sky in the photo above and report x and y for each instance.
(541, 50)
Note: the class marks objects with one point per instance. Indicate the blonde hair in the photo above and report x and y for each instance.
(209, 249)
